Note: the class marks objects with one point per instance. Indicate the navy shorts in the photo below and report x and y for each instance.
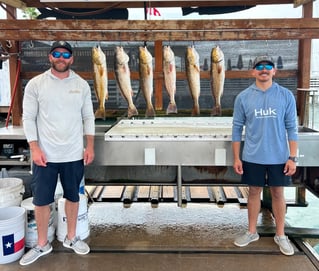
(45, 181)
(264, 175)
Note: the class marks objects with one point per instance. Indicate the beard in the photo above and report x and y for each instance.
(60, 68)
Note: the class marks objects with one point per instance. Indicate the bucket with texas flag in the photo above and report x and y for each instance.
(12, 232)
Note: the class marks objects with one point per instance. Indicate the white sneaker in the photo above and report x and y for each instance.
(79, 246)
(246, 239)
(284, 245)
(35, 253)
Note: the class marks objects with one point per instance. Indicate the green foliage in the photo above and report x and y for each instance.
(30, 13)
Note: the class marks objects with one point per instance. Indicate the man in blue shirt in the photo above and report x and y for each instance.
(267, 112)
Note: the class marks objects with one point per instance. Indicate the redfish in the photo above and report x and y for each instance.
(169, 70)
(146, 79)
(217, 78)
(123, 78)
(193, 77)
(100, 80)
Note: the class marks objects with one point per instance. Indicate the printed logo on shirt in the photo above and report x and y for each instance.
(74, 91)
(265, 113)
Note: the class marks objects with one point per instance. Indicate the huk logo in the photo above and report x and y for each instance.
(265, 113)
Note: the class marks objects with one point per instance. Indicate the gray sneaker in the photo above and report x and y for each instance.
(79, 246)
(284, 244)
(35, 253)
(246, 239)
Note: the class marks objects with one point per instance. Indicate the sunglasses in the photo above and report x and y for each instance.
(65, 55)
(260, 67)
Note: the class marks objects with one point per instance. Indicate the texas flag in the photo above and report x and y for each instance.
(11, 244)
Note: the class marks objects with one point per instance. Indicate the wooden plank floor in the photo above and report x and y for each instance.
(157, 193)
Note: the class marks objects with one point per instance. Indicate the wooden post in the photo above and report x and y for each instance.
(304, 65)
(13, 63)
(158, 75)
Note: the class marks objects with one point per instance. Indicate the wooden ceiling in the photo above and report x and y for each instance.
(140, 4)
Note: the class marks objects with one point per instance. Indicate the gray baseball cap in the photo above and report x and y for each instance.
(260, 59)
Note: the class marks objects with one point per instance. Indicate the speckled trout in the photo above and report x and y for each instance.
(169, 70)
(146, 79)
(217, 78)
(193, 77)
(100, 80)
(123, 78)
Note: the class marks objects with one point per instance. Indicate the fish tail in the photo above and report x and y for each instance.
(132, 111)
(171, 108)
(217, 110)
(196, 110)
(100, 113)
(150, 112)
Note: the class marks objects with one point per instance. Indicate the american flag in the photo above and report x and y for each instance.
(12, 243)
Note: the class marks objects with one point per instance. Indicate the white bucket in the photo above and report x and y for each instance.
(12, 220)
(82, 227)
(31, 233)
(11, 192)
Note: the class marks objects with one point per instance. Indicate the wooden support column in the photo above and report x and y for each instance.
(158, 75)
(304, 65)
(14, 49)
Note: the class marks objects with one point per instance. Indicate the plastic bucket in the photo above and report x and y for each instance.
(12, 229)
(11, 192)
(82, 227)
(31, 233)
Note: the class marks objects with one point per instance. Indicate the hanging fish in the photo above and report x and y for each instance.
(146, 79)
(122, 74)
(100, 80)
(217, 78)
(169, 70)
(193, 77)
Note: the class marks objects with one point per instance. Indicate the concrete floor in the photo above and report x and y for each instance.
(197, 237)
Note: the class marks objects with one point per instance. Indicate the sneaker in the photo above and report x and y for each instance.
(35, 253)
(79, 246)
(284, 244)
(246, 239)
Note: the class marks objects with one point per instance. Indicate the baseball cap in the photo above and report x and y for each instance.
(260, 59)
(61, 44)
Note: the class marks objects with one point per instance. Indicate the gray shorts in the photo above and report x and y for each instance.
(264, 175)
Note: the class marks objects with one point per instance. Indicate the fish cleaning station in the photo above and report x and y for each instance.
(161, 193)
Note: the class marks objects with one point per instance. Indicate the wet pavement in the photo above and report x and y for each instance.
(196, 237)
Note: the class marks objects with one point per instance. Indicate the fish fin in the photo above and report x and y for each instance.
(171, 66)
(171, 109)
(150, 112)
(216, 111)
(132, 111)
(100, 114)
(196, 110)
(219, 69)
(101, 70)
(196, 68)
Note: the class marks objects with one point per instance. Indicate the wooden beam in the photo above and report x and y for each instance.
(15, 3)
(158, 4)
(179, 75)
(298, 3)
(304, 64)
(177, 30)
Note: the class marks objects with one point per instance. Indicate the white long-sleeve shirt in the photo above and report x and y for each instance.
(58, 113)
